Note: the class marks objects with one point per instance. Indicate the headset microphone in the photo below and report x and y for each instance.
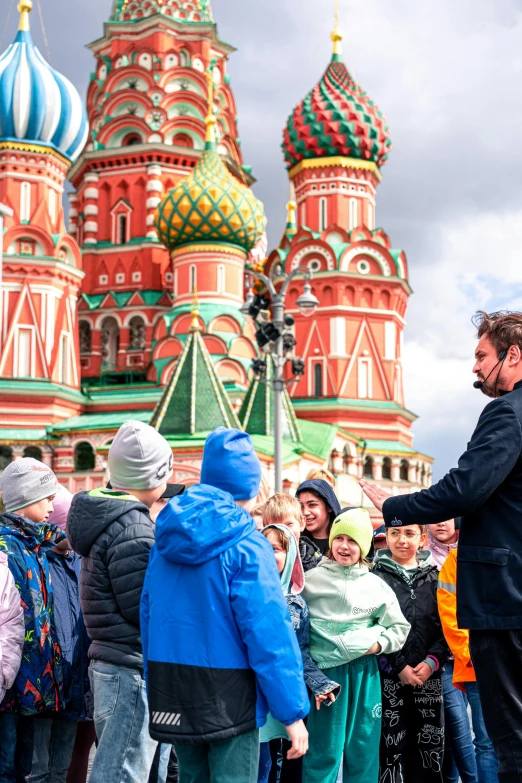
(501, 358)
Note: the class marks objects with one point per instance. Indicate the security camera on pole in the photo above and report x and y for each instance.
(275, 337)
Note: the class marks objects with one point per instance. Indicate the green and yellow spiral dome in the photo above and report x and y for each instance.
(210, 205)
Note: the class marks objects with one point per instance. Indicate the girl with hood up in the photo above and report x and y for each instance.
(290, 568)
(320, 507)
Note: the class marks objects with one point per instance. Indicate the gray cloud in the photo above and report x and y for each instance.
(447, 76)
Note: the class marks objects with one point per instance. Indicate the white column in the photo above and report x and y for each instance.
(4, 212)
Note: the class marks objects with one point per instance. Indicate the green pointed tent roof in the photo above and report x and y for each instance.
(195, 399)
(257, 411)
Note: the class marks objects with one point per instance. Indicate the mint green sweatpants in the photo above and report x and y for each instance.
(351, 726)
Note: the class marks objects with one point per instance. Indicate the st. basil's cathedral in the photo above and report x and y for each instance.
(134, 309)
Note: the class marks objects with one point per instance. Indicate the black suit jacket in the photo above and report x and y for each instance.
(486, 490)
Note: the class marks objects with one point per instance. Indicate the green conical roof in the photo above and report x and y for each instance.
(194, 400)
(257, 411)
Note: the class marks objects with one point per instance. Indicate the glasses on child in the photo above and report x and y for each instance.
(409, 535)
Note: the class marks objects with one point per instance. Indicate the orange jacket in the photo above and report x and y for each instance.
(457, 638)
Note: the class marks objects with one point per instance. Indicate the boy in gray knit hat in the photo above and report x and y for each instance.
(28, 488)
(113, 531)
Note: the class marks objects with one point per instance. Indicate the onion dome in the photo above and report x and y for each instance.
(37, 104)
(210, 205)
(337, 118)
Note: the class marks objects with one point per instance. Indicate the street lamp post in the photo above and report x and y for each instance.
(271, 339)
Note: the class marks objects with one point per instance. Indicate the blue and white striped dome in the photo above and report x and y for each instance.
(38, 104)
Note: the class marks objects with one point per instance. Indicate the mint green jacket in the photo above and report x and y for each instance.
(351, 610)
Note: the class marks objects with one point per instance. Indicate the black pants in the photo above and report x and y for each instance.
(284, 770)
(412, 741)
(497, 658)
(16, 747)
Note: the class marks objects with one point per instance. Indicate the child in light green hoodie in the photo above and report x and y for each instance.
(354, 617)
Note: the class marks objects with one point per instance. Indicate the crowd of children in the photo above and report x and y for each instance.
(190, 634)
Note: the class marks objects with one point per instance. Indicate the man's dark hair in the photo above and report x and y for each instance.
(503, 329)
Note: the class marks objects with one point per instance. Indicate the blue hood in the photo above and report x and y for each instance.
(324, 490)
(200, 524)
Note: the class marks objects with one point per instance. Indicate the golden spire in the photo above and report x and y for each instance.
(210, 119)
(194, 324)
(337, 36)
(24, 7)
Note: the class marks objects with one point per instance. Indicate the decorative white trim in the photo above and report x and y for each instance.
(89, 209)
(154, 184)
(352, 253)
(90, 227)
(308, 250)
(152, 202)
(92, 193)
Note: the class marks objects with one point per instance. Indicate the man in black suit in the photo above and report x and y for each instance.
(486, 490)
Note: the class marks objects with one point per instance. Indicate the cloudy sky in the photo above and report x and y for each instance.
(448, 77)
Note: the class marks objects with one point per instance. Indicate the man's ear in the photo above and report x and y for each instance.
(514, 354)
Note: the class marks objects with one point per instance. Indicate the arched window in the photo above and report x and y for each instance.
(84, 458)
(110, 343)
(193, 278)
(6, 456)
(136, 333)
(85, 337)
(34, 452)
(183, 140)
(368, 467)
(405, 466)
(131, 140)
(122, 228)
(386, 468)
(318, 380)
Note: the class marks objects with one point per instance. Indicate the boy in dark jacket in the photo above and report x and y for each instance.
(218, 643)
(28, 489)
(113, 532)
(412, 742)
(319, 506)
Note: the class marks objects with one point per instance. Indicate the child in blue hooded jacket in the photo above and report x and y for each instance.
(218, 643)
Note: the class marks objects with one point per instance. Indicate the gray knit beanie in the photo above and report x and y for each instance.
(26, 481)
(139, 457)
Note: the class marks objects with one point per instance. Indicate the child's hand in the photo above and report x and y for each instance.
(408, 676)
(323, 697)
(423, 671)
(299, 739)
(375, 649)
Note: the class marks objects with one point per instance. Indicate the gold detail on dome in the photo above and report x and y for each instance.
(195, 192)
(184, 205)
(339, 160)
(205, 204)
(24, 7)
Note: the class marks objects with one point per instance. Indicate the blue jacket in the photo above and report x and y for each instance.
(71, 632)
(486, 491)
(39, 684)
(218, 644)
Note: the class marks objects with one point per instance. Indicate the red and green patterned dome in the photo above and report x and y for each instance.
(337, 118)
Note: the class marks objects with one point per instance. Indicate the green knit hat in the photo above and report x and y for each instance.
(355, 523)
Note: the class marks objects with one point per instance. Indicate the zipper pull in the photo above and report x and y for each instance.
(413, 596)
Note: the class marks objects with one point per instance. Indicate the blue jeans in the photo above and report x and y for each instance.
(461, 760)
(53, 746)
(16, 747)
(487, 762)
(125, 750)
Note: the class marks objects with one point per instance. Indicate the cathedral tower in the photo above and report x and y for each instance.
(43, 127)
(147, 103)
(335, 143)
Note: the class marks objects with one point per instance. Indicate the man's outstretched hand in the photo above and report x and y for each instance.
(375, 493)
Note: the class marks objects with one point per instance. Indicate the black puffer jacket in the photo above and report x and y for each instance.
(418, 602)
(310, 553)
(114, 534)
